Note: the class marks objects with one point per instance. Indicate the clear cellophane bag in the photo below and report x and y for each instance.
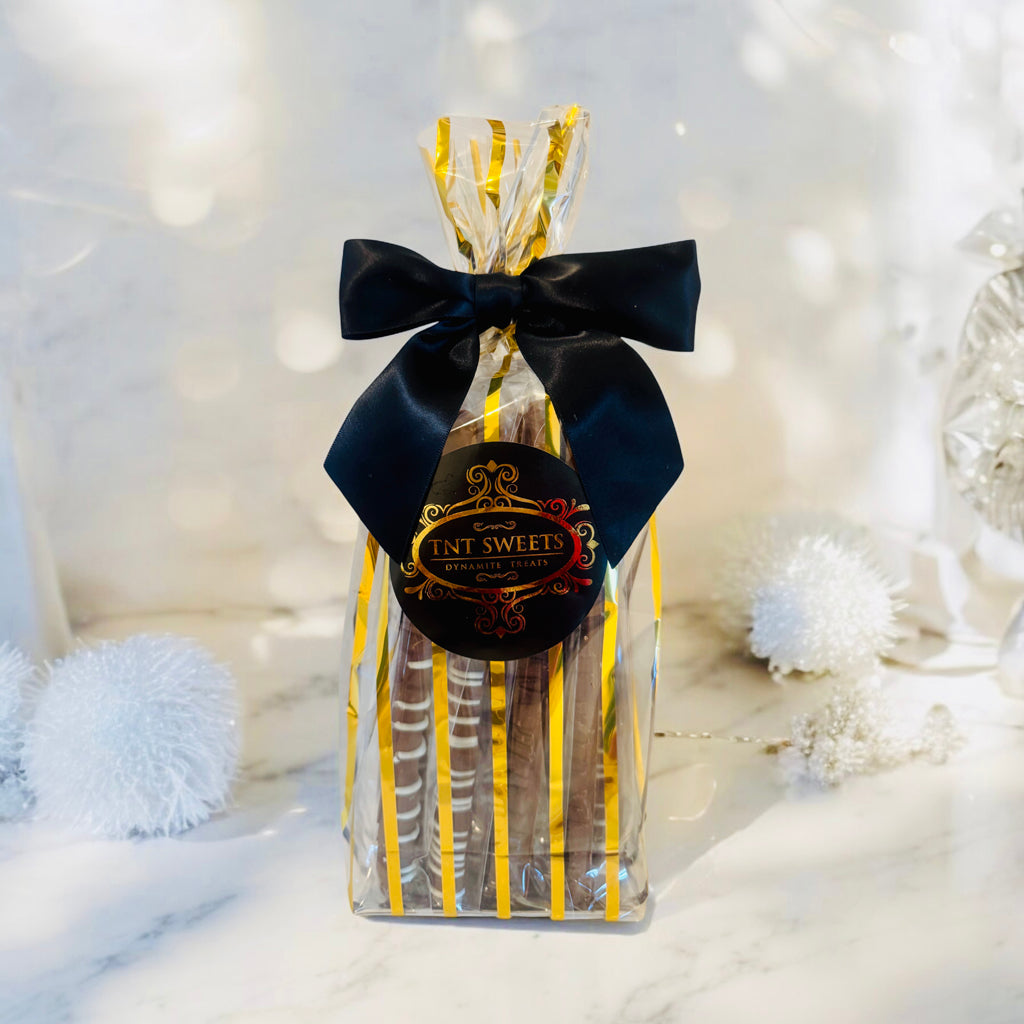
(501, 788)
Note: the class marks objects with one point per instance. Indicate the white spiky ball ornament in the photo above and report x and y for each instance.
(136, 738)
(18, 684)
(804, 590)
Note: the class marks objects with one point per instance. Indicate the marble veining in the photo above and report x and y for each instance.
(894, 899)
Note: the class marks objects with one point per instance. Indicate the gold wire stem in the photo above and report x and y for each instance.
(772, 746)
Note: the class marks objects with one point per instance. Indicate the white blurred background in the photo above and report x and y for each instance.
(177, 178)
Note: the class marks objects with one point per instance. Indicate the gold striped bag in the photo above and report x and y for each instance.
(513, 787)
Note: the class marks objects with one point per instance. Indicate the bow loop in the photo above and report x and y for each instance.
(647, 294)
(571, 313)
(387, 288)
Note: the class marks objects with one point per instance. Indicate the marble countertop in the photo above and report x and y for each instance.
(897, 898)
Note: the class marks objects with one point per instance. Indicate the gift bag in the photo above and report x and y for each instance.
(501, 649)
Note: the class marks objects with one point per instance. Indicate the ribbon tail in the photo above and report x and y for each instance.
(617, 423)
(386, 452)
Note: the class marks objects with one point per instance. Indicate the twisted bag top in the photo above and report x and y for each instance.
(570, 313)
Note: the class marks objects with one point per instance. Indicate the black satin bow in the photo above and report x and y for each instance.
(570, 313)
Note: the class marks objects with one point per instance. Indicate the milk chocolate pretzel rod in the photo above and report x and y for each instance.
(465, 708)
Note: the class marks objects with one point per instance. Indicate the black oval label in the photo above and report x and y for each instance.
(505, 561)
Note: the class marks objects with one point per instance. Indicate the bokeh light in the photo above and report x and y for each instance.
(813, 259)
(763, 61)
(714, 354)
(307, 342)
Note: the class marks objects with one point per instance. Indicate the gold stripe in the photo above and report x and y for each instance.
(497, 159)
(500, 771)
(444, 163)
(358, 649)
(492, 403)
(559, 139)
(655, 570)
(491, 188)
(611, 767)
(556, 813)
(444, 780)
(389, 810)
(552, 428)
(552, 173)
(656, 595)
(478, 174)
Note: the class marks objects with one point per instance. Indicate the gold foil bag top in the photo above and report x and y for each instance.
(508, 191)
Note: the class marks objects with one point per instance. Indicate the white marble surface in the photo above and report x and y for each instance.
(894, 900)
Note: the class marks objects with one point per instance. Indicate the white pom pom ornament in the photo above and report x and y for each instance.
(134, 738)
(18, 685)
(805, 591)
